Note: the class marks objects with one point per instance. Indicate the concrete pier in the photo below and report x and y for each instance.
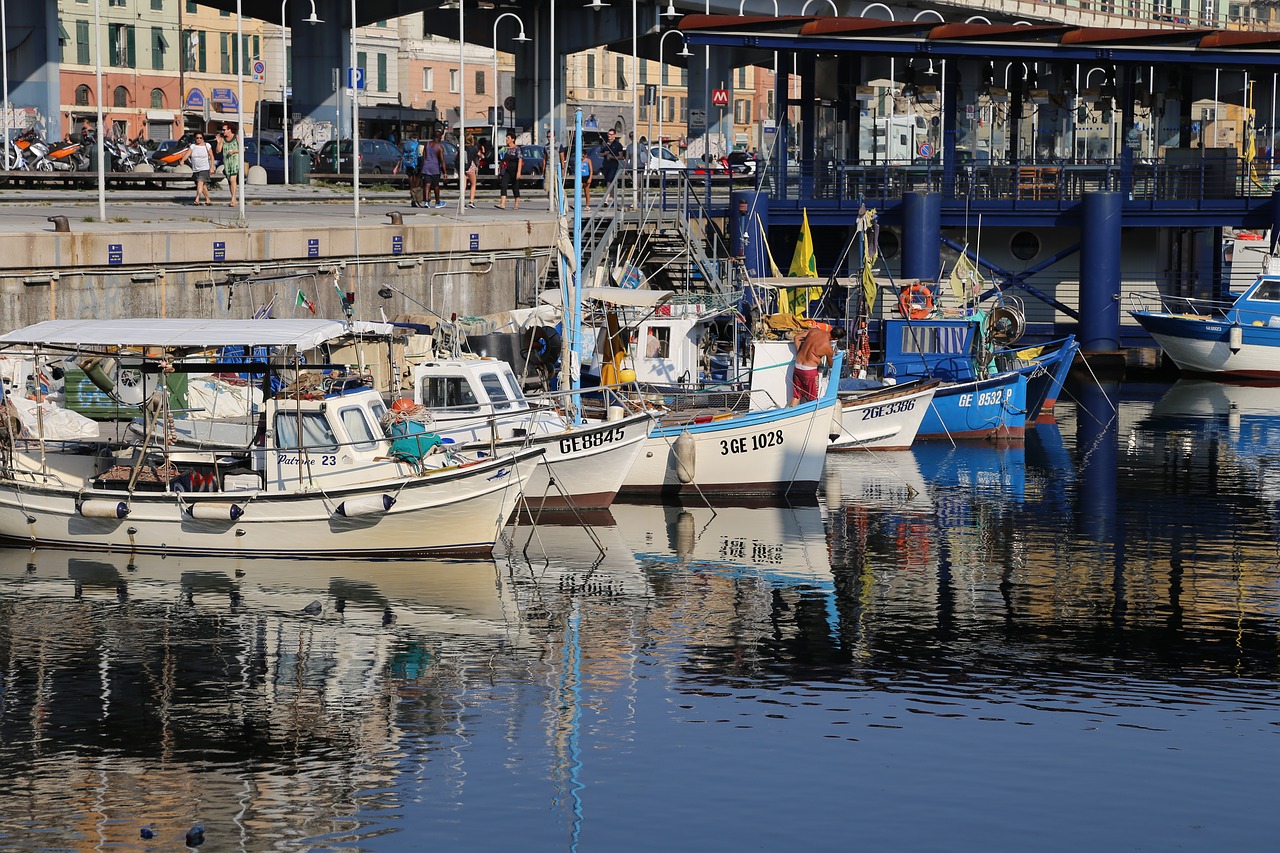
(159, 255)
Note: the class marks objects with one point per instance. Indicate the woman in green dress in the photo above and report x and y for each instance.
(229, 148)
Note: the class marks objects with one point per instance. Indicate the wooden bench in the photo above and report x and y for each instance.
(1035, 182)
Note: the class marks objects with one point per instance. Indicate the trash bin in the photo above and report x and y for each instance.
(299, 167)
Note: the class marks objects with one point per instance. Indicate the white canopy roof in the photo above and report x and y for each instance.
(179, 333)
(614, 296)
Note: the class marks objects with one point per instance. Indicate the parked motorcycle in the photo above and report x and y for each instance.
(169, 154)
(65, 156)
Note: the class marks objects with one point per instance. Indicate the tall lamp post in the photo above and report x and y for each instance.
(520, 38)
(684, 51)
(284, 79)
(102, 154)
(240, 57)
(462, 104)
(355, 125)
(4, 51)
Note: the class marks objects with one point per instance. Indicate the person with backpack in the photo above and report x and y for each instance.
(409, 158)
(432, 167)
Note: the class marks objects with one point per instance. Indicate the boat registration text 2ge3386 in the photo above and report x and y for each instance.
(586, 441)
(746, 444)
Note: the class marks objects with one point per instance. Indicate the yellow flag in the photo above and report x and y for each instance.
(803, 262)
(965, 280)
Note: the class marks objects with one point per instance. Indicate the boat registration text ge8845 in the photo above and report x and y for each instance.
(588, 440)
(746, 444)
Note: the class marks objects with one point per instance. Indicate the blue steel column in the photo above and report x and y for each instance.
(921, 236)
(950, 103)
(1100, 273)
(808, 125)
(749, 223)
(317, 51)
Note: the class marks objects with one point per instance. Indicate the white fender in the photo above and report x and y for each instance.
(367, 505)
(216, 511)
(685, 450)
(104, 509)
(837, 421)
(1235, 337)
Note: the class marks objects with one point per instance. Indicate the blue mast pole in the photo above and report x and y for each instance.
(576, 382)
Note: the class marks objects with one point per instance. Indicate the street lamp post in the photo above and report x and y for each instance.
(4, 51)
(520, 38)
(684, 51)
(284, 81)
(102, 154)
(240, 57)
(355, 124)
(462, 105)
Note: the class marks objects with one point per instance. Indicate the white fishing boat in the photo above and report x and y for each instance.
(322, 481)
(769, 449)
(479, 405)
(887, 419)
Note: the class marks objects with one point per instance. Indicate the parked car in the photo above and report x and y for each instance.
(700, 168)
(377, 157)
(662, 160)
(266, 154)
(531, 160)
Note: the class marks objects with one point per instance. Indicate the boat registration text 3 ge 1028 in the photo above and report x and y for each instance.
(746, 444)
(986, 398)
(588, 440)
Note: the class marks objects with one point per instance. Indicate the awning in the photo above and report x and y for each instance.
(613, 296)
(197, 334)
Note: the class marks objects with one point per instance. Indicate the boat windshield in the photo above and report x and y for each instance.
(316, 434)
(357, 427)
(496, 390)
(1268, 290)
(448, 392)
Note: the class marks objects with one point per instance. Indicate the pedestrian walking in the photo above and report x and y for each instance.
(229, 148)
(433, 169)
(199, 157)
(512, 168)
(611, 156)
(410, 156)
(473, 169)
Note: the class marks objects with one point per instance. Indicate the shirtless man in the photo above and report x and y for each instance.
(812, 346)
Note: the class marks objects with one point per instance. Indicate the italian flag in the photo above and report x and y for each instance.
(303, 300)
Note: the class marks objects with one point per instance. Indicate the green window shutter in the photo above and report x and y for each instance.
(204, 65)
(82, 43)
(157, 48)
(224, 63)
(132, 47)
(362, 61)
(382, 72)
(288, 65)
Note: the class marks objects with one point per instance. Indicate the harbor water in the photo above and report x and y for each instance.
(1064, 645)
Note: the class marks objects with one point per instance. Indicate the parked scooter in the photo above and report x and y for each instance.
(165, 159)
(65, 156)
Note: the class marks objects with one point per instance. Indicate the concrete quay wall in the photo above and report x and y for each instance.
(464, 267)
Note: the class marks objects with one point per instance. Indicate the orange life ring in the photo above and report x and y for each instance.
(908, 306)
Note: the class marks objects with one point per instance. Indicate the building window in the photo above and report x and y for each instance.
(644, 72)
(769, 104)
(664, 76)
(684, 77)
(194, 53)
(741, 111)
(224, 59)
(591, 71)
(82, 42)
(191, 7)
(453, 81)
(362, 61)
(157, 99)
(622, 72)
(479, 82)
(684, 109)
(82, 96)
(120, 38)
(158, 47)
(382, 71)
(671, 109)
(644, 112)
(157, 5)
(120, 98)
(428, 79)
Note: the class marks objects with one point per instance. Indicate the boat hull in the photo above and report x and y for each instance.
(1045, 378)
(887, 420)
(768, 453)
(1203, 346)
(452, 512)
(988, 409)
(584, 466)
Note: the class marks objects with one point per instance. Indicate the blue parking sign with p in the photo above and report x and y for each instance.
(355, 78)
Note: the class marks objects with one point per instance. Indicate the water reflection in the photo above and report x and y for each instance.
(1104, 597)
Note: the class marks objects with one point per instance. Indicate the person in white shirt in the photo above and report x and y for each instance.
(200, 157)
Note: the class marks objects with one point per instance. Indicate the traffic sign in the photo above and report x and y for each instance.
(720, 97)
(259, 71)
(650, 94)
(510, 103)
(355, 78)
(926, 150)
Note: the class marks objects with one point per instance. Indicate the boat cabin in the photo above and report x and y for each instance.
(1259, 305)
(479, 400)
(936, 347)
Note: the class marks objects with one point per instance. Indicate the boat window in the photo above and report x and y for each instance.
(316, 434)
(448, 392)
(514, 385)
(934, 339)
(378, 411)
(657, 342)
(359, 433)
(1269, 290)
(495, 390)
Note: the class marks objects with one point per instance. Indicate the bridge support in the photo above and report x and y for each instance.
(749, 225)
(1100, 273)
(922, 236)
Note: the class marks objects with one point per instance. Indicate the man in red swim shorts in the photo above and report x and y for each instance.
(811, 347)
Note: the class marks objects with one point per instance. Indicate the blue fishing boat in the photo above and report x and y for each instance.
(1227, 340)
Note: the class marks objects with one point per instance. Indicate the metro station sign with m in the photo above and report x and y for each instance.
(719, 97)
